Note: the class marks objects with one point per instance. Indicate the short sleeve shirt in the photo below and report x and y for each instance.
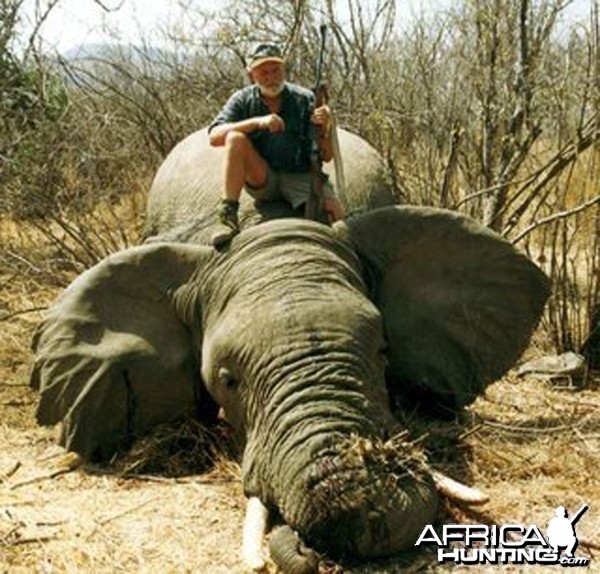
(285, 151)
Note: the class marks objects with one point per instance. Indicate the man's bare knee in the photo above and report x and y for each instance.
(237, 140)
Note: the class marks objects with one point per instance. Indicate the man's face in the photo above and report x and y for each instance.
(270, 77)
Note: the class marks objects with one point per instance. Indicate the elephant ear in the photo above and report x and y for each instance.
(458, 302)
(112, 357)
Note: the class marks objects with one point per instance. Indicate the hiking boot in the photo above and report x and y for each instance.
(228, 225)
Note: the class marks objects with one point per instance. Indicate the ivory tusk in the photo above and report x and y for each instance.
(255, 527)
(458, 491)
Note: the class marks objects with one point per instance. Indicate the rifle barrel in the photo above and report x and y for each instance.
(323, 30)
(579, 513)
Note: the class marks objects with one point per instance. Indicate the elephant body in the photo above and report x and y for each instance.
(298, 331)
(188, 186)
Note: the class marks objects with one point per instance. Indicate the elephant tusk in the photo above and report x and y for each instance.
(255, 527)
(458, 491)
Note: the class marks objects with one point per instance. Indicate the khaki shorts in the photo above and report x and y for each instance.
(292, 187)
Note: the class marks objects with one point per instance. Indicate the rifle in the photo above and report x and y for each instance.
(315, 204)
(579, 514)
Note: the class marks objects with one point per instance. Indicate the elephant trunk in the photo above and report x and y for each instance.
(290, 554)
(318, 449)
(346, 492)
(369, 499)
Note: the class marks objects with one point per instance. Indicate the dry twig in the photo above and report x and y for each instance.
(556, 217)
(22, 312)
(68, 463)
(4, 476)
(117, 515)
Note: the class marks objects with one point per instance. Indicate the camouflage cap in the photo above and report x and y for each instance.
(263, 53)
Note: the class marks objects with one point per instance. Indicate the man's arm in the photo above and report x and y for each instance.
(234, 117)
(271, 122)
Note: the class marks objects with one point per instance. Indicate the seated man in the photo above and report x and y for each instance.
(266, 130)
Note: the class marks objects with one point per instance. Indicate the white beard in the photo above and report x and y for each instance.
(271, 92)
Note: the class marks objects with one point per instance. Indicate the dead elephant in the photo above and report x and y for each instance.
(292, 331)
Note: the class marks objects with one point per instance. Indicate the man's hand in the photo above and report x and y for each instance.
(322, 117)
(272, 122)
(333, 208)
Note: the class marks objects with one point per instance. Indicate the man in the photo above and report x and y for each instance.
(266, 130)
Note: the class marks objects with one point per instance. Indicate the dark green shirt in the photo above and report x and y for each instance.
(285, 151)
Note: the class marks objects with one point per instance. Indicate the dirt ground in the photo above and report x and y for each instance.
(531, 444)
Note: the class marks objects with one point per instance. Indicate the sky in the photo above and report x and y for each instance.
(75, 22)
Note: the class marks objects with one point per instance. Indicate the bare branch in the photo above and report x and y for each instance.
(557, 164)
(108, 8)
(556, 217)
(36, 29)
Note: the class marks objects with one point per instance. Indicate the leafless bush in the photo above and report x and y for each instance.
(566, 243)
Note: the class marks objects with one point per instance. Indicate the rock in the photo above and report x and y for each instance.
(555, 365)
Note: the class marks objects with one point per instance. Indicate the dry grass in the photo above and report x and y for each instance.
(175, 502)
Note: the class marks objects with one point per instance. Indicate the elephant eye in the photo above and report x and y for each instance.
(226, 379)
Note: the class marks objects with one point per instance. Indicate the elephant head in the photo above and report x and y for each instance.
(292, 331)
